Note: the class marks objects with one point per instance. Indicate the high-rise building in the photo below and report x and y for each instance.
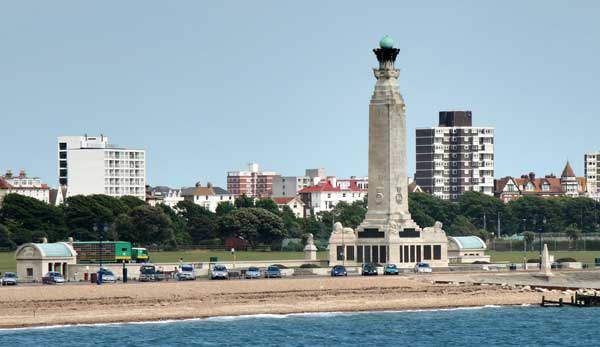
(253, 183)
(289, 186)
(455, 157)
(90, 165)
(591, 162)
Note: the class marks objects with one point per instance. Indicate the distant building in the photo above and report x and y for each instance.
(90, 165)
(156, 195)
(467, 250)
(23, 185)
(328, 193)
(510, 188)
(285, 186)
(252, 183)
(591, 162)
(208, 197)
(455, 157)
(294, 203)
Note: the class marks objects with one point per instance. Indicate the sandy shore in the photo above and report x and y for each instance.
(85, 304)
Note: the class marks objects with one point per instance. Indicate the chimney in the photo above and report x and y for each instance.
(198, 185)
(209, 185)
(8, 173)
(22, 174)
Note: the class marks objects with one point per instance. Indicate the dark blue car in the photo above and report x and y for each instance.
(338, 270)
(273, 272)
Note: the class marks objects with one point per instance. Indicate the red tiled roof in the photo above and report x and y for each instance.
(325, 186)
(282, 200)
(4, 184)
(568, 171)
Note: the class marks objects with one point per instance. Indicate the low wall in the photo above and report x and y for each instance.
(77, 272)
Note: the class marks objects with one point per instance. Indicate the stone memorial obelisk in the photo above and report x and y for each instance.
(388, 232)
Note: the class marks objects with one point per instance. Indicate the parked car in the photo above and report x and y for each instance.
(252, 272)
(369, 269)
(107, 276)
(391, 269)
(339, 270)
(273, 272)
(422, 268)
(149, 273)
(186, 273)
(9, 278)
(219, 271)
(53, 277)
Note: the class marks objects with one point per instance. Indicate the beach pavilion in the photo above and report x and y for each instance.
(467, 249)
(36, 259)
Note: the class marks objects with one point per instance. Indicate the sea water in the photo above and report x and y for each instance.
(485, 326)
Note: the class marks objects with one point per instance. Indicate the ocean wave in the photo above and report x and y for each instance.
(255, 316)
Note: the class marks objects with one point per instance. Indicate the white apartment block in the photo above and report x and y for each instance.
(289, 186)
(591, 162)
(455, 157)
(328, 193)
(23, 185)
(90, 165)
(208, 197)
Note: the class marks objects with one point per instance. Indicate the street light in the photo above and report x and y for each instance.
(103, 230)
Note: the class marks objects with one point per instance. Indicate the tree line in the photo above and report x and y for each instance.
(262, 223)
(96, 217)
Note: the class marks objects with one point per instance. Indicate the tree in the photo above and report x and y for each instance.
(201, 224)
(422, 204)
(255, 225)
(29, 219)
(224, 208)
(528, 238)
(244, 201)
(573, 232)
(267, 204)
(131, 201)
(6, 240)
(179, 227)
(291, 225)
(481, 209)
(462, 227)
(150, 225)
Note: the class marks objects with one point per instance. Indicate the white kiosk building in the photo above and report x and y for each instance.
(36, 259)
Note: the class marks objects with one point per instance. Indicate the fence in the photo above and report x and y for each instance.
(553, 245)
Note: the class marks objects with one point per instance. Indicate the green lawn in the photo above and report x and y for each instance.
(517, 257)
(8, 263)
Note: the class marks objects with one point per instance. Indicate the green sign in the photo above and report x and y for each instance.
(214, 259)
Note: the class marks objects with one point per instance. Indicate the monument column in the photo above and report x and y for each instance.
(388, 192)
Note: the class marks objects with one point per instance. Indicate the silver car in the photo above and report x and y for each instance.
(107, 276)
(252, 272)
(422, 268)
(219, 271)
(187, 273)
(53, 277)
(9, 278)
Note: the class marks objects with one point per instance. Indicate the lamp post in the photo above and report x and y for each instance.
(103, 230)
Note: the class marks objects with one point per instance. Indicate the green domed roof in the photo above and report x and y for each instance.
(386, 42)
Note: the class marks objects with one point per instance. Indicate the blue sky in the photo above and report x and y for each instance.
(208, 86)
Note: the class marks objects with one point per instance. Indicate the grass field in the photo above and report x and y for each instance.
(8, 263)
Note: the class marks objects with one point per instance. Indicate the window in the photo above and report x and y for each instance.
(329, 196)
(29, 272)
(62, 146)
(437, 252)
(340, 252)
(350, 252)
(427, 252)
(359, 254)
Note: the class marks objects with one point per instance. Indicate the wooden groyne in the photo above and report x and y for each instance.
(578, 300)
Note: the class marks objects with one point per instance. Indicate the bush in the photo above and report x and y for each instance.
(293, 246)
(534, 260)
(566, 260)
(280, 266)
(309, 266)
(480, 262)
